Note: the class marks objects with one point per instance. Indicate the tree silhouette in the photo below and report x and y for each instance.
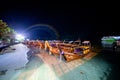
(6, 33)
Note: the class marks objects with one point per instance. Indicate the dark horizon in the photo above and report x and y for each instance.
(69, 20)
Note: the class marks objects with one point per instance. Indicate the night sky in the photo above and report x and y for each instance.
(69, 20)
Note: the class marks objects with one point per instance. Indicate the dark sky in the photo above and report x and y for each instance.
(68, 19)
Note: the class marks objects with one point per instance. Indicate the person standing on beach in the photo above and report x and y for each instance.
(61, 53)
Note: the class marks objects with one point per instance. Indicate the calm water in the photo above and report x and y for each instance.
(113, 58)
